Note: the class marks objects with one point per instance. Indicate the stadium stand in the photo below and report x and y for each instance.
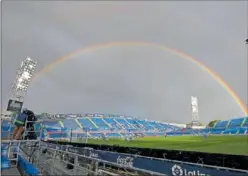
(116, 127)
(52, 124)
(70, 123)
(157, 126)
(112, 123)
(235, 126)
(86, 123)
(95, 125)
(120, 127)
(133, 123)
(221, 124)
(234, 123)
(122, 122)
(145, 124)
(245, 122)
(231, 131)
(100, 123)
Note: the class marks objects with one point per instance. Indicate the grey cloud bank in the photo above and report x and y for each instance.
(139, 81)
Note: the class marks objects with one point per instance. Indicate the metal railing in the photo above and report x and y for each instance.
(62, 162)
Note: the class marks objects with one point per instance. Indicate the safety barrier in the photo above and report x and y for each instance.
(5, 163)
(162, 166)
(27, 167)
(12, 159)
(97, 161)
(6, 158)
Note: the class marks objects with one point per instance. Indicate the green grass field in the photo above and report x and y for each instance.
(237, 145)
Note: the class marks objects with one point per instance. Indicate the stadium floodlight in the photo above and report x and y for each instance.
(195, 109)
(20, 79)
(23, 79)
(25, 75)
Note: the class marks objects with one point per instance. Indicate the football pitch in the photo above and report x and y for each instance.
(237, 145)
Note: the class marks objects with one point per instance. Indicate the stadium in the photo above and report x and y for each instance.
(109, 144)
(123, 65)
(228, 137)
(119, 145)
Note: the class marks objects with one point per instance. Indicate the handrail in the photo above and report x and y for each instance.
(107, 162)
(160, 159)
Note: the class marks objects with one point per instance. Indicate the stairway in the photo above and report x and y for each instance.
(246, 118)
(93, 122)
(129, 123)
(79, 124)
(61, 123)
(118, 123)
(228, 124)
(106, 123)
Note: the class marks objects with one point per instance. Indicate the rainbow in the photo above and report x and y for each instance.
(174, 51)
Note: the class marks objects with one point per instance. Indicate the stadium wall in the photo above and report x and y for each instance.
(154, 165)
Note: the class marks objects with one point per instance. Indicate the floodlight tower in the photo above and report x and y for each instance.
(21, 83)
(195, 110)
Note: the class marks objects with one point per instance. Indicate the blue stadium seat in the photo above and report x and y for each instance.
(157, 125)
(71, 124)
(145, 124)
(113, 123)
(231, 131)
(216, 131)
(123, 122)
(221, 124)
(110, 127)
(134, 123)
(52, 124)
(243, 130)
(100, 123)
(246, 123)
(234, 123)
(86, 123)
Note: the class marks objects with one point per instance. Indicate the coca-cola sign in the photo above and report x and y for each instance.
(125, 161)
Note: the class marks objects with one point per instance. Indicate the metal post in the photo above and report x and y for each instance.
(71, 136)
(38, 155)
(17, 152)
(76, 164)
(25, 130)
(86, 141)
(96, 168)
(54, 160)
(9, 130)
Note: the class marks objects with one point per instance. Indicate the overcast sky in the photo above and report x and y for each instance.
(131, 80)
